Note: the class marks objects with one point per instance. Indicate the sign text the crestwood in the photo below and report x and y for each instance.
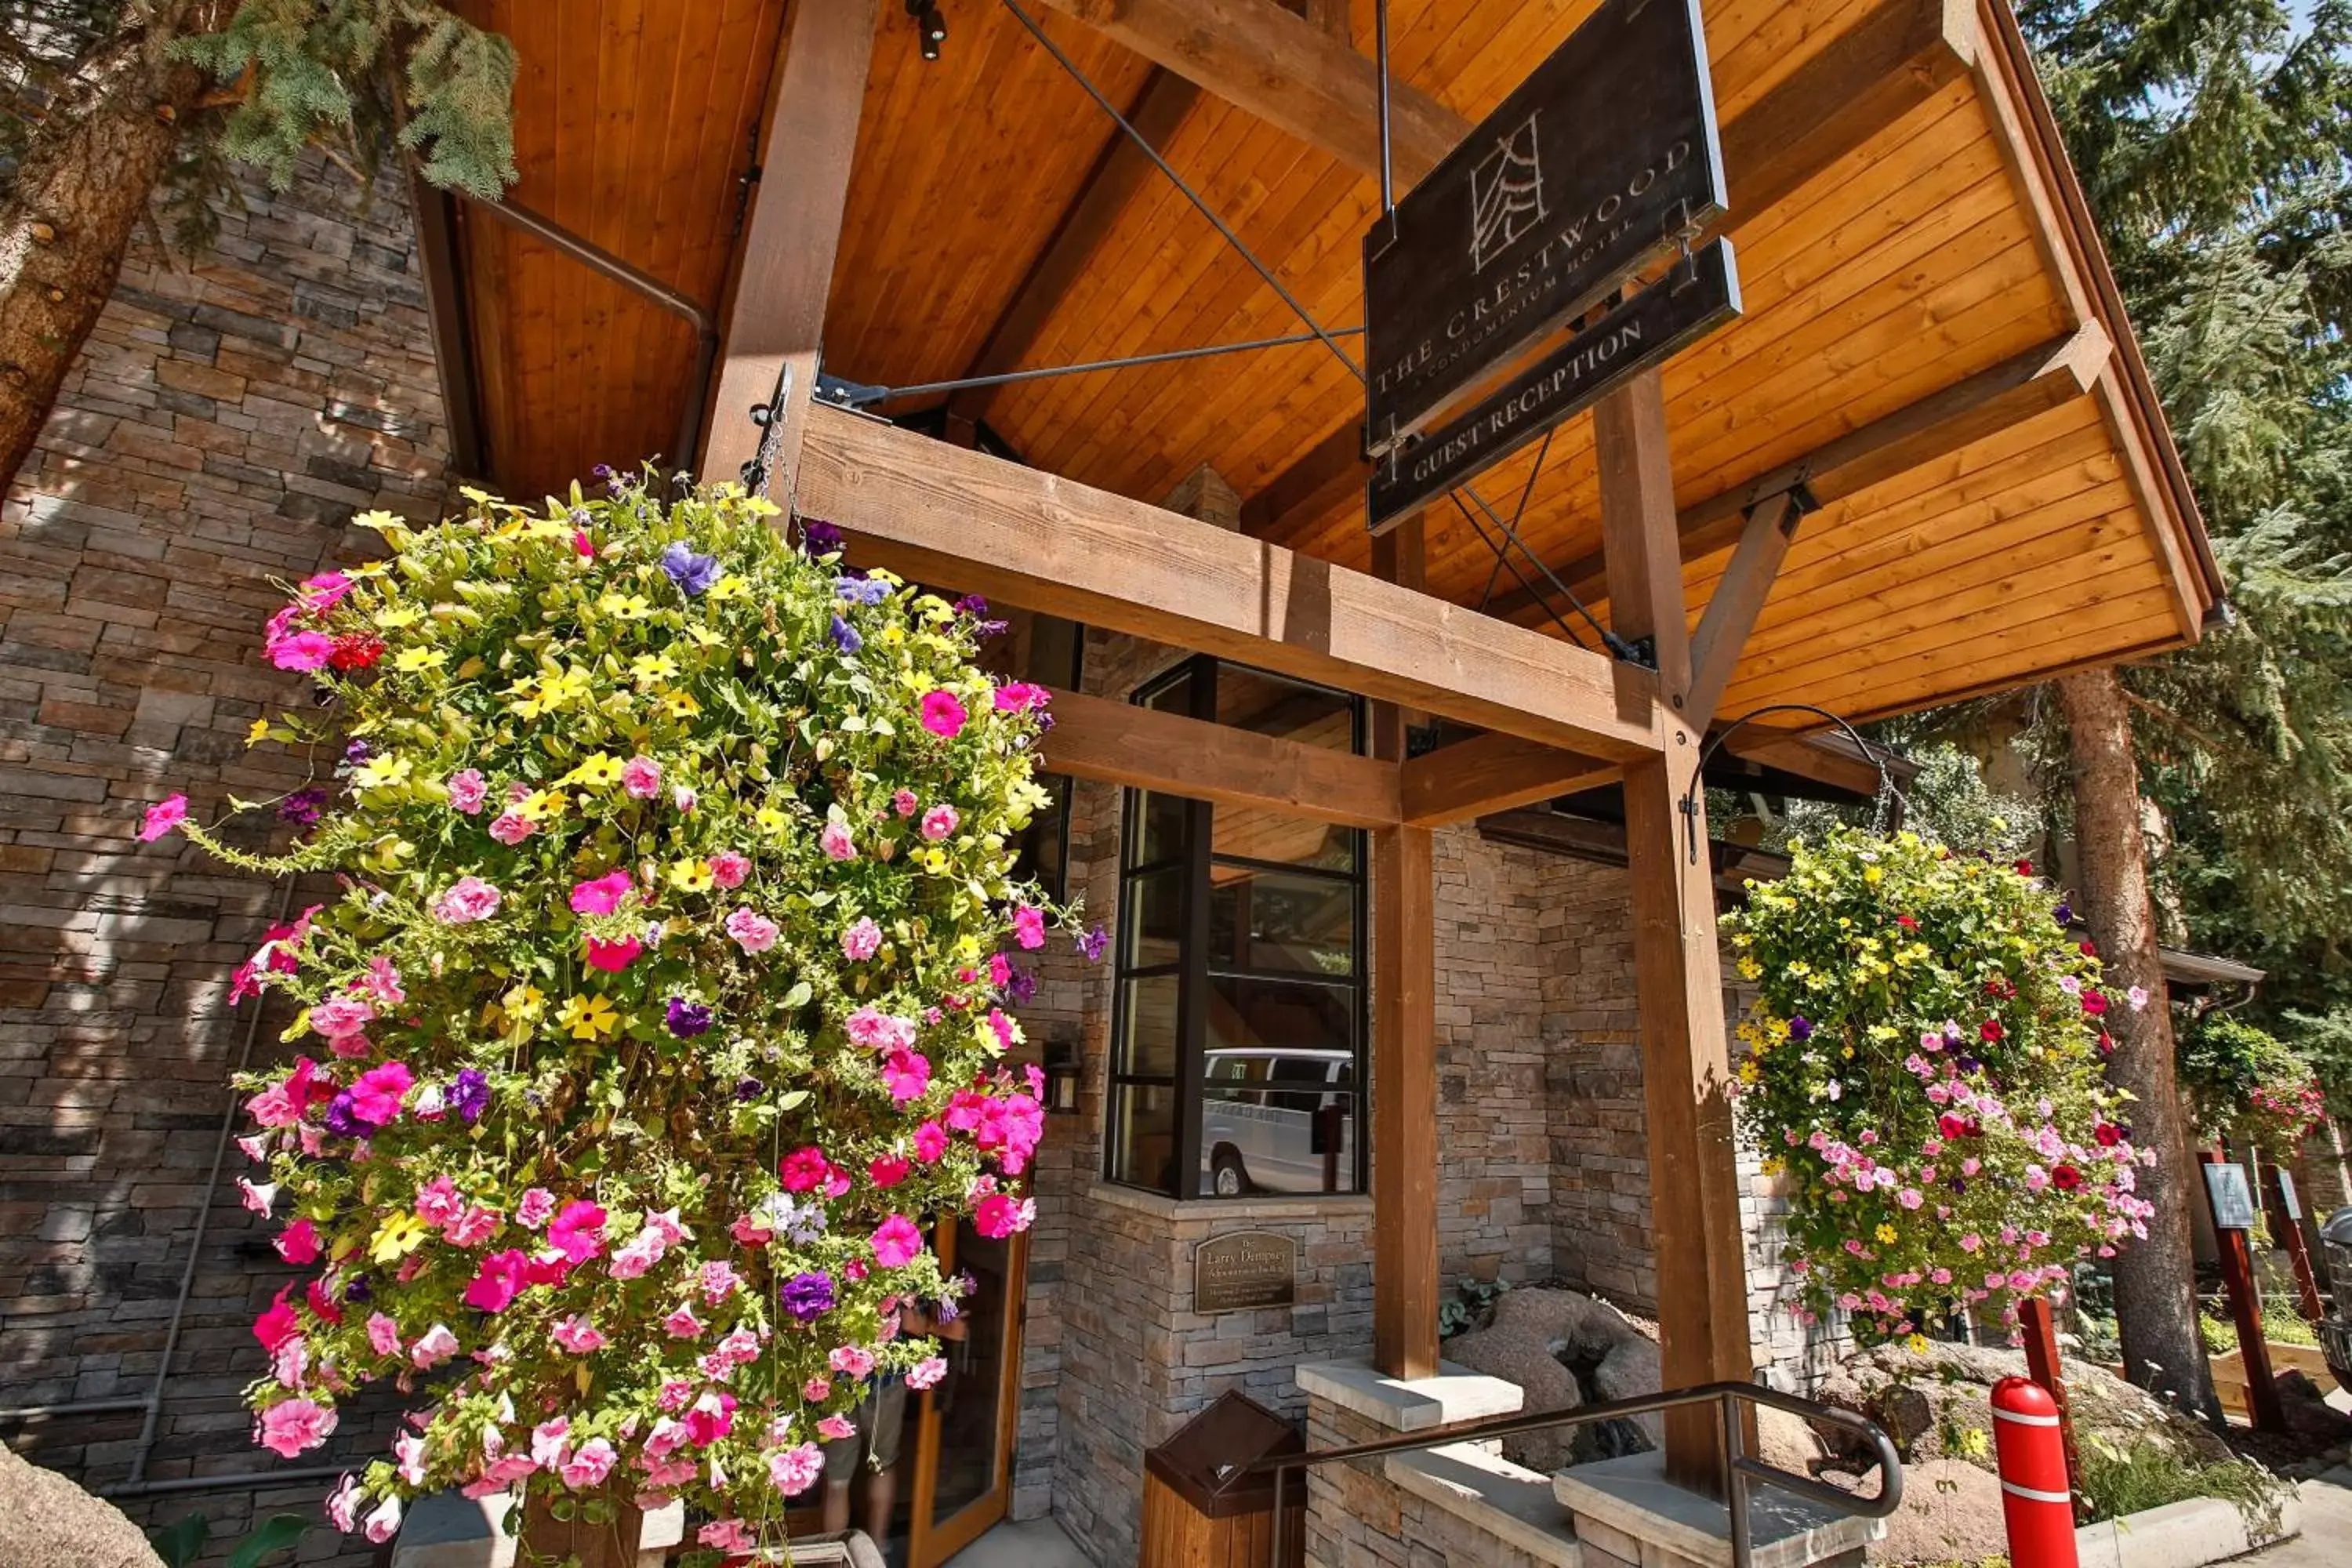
(1605, 154)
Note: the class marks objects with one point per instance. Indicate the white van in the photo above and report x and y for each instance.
(1278, 1120)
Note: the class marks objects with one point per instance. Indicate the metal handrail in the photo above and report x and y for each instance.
(1726, 1397)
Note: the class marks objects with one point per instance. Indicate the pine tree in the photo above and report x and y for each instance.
(102, 102)
(2214, 139)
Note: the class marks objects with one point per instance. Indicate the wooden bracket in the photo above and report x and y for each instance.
(1738, 600)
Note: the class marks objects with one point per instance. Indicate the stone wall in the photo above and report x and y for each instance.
(217, 434)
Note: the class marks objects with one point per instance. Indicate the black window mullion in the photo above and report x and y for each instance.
(1192, 1007)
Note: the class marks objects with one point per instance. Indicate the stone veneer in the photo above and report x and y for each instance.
(223, 422)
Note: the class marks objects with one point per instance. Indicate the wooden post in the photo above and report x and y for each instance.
(775, 312)
(2246, 1311)
(1404, 1048)
(1701, 1249)
(2040, 1334)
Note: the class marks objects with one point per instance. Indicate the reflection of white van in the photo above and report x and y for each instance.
(1278, 1120)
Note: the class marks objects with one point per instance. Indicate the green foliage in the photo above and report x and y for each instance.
(353, 77)
(2282, 1325)
(2123, 1478)
(182, 1541)
(1950, 803)
(1473, 1301)
(1924, 1060)
(2245, 1084)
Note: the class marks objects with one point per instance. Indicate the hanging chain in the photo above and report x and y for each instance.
(769, 417)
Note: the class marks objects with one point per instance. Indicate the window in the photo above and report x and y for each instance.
(1238, 1022)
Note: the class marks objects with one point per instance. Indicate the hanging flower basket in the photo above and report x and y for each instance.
(662, 1009)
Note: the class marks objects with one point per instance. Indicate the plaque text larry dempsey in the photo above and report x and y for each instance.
(1244, 1269)
(1605, 154)
(1693, 299)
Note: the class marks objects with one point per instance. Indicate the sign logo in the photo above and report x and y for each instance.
(1507, 198)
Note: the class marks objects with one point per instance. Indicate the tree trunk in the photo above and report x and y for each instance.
(79, 191)
(2156, 1298)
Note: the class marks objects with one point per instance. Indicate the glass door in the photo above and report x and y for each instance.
(965, 1426)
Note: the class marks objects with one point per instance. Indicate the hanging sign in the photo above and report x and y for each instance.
(2233, 1200)
(1244, 1269)
(1693, 299)
(2287, 1196)
(1605, 154)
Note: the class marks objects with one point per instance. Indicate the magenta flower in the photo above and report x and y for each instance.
(300, 650)
(1029, 927)
(295, 1426)
(496, 1284)
(468, 899)
(803, 1169)
(752, 932)
(906, 1074)
(943, 713)
(602, 895)
(728, 869)
(163, 818)
(896, 1242)
(1020, 697)
(998, 1216)
(375, 1094)
(468, 791)
(578, 1231)
(939, 822)
(299, 1243)
(930, 1142)
(614, 956)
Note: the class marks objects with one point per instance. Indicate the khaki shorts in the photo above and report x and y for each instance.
(881, 1418)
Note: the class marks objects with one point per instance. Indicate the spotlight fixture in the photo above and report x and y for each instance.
(931, 27)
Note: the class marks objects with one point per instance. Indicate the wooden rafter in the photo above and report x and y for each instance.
(1492, 772)
(965, 520)
(1738, 599)
(1117, 175)
(2008, 393)
(1120, 743)
(775, 309)
(1900, 54)
(1286, 70)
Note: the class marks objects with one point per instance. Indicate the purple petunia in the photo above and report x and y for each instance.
(1092, 942)
(1019, 986)
(808, 1297)
(694, 574)
(1800, 1027)
(688, 1019)
(470, 1095)
(359, 1289)
(301, 807)
(844, 635)
(820, 538)
(2064, 914)
(748, 1089)
(341, 1119)
(357, 753)
(858, 589)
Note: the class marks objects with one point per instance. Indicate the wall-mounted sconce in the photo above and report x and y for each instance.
(1061, 1076)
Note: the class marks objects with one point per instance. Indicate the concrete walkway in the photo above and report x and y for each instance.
(2326, 1538)
(1031, 1544)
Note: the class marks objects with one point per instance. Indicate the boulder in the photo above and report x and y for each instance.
(1938, 1403)
(1581, 1326)
(1522, 1356)
(1629, 1371)
(1786, 1440)
(45, 1519)
(2304, 1405)
(1950, 1513)
(1605, 1353)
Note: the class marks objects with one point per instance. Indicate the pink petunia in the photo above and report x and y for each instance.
(588, 1465)
(578, 1335)
(943, 713)
(835, 841)
(926, 1372)
(930, 1142)
(468, 791)
(896, 1242)
(578, 1231)
(509, 828)
(473, 1227)
(375, 1093)
(535, 1208)
(641, 776)
(862, 941)
(1020, 697)
(294, 1427)
(614, 956)
(468, 900)
(602, 895)
(300, 650)
(1029, 927)
(851, 1361)
(793, 1471)
(939, 822)
(904, 803)
(163, 818)
(682, 1324)
(999, 1215)
(752, 932)
(906, 1074)
(729, 869)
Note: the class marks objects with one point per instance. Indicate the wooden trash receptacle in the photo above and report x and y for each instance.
(1197, 1514)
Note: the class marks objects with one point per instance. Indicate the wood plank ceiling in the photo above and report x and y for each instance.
(1936, 249)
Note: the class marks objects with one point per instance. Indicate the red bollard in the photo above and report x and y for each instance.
(2035, 1502)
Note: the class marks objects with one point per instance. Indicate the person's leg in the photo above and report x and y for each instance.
(884, 1414)
(840, 1471)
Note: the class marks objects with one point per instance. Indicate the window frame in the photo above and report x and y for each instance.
(1196, 973)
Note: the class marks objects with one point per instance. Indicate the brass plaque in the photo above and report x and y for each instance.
(1244, 1269)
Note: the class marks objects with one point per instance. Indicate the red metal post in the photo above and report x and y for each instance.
(2040, 1331)
(2035, 1501)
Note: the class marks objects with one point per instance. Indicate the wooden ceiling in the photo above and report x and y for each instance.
(996, 220)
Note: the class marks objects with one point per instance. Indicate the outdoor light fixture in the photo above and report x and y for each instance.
(931, 27)
(1062, 1077)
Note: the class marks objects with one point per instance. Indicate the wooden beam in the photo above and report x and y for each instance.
(1286, 70)
(1700, 1248)
(1731, 611)
(1405, 1045)
(1118, 175)
(967, 520)
(1938, 424)
(1119, 742)
(775, 313)
(1900, 54)
(1492, 772)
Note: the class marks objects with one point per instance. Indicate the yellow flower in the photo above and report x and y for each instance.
(412, 659)
(768, 819)
(934, 860)
(539, 805)
(392, 620)
(1916, 1343)
(628, 607)
(1886, 1232)
(691, 875)
(259, 732)
(1874, 873)
(523, 1003)
(587, 1017)
(1751, 970)
(386, 771)
(1747, 1072)
(1773, 1165)
(680, 704)
(601, 771)
(650, 669)
(398, 1236)
(727, 587)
